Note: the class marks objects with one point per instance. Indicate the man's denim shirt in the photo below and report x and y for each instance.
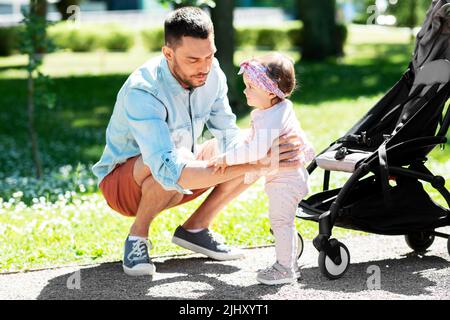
(154, 116)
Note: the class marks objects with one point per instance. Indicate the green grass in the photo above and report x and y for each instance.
(64, 220)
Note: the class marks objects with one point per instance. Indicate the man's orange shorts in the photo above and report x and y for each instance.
(123, 194)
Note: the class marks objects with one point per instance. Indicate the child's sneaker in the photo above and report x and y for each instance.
(277, 274)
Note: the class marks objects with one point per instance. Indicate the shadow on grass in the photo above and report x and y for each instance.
(201, 278)
(13, 67)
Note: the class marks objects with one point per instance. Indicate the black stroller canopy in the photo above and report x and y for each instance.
(433, 39)
(430, 64)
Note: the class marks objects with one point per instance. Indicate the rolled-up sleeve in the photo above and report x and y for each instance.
(222, 120)
(146, 116)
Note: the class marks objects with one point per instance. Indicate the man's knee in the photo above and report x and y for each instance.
(176, 199)
(151, 189)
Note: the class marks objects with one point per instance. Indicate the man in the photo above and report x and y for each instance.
(151, 161)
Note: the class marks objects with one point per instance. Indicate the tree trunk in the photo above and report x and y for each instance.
(412, 23)
(37, 8)
(222, 17)
(319, 28)
(31, 130)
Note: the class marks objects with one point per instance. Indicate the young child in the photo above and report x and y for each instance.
(269, 80)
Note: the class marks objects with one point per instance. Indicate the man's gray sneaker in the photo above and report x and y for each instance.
(277, 274)
(136, 260)
(205, 242)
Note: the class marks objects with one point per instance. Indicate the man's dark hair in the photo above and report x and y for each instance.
(189, 22)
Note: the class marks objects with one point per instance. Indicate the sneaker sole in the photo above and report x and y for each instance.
(280, 281)
(143, 269)
(275, 282)
(212, 254)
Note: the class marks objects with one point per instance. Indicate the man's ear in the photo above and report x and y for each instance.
(168, 53)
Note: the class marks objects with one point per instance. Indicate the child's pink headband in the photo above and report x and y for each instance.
(258, 76)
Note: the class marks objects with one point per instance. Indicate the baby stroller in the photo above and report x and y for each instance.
(385, 152)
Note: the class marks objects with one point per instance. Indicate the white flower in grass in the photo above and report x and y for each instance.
(16, 230)
(95, 197)
(21, 206)
(18, 194)
(65, 170)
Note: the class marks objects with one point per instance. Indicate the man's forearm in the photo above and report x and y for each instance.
(196, 175)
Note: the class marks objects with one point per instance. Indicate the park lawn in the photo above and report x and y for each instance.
(64, 220)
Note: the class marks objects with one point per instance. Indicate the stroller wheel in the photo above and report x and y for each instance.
(419, 241)
(331, 269)
(300, 245)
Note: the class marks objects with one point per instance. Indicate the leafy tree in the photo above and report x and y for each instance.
(320, 30)
(409, 13)
(222, 17)
(34, 44)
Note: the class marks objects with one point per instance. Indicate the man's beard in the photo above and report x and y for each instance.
(184, 79)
